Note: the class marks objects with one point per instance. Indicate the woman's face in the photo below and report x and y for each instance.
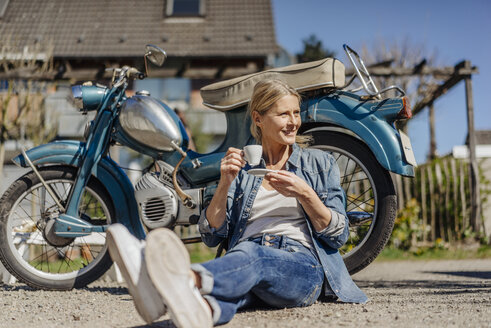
(279, 125)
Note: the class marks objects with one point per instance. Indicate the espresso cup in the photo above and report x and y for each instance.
(253, 154)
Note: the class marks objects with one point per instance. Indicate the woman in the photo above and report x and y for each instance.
(282, 231)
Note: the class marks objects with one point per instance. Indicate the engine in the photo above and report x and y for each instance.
(159, 204)
(157, 199)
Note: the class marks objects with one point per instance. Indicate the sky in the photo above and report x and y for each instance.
(454, 30)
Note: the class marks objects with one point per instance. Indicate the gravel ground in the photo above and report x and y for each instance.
(402, 294)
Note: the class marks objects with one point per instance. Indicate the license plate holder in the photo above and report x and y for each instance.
(407, 149)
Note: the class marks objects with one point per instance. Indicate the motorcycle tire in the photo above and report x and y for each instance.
(370, 195)
(31, 251)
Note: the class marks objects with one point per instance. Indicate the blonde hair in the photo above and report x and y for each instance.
(265, 94)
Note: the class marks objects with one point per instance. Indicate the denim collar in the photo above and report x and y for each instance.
(294, 158)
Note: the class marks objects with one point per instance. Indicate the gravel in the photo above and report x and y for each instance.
(402, 294)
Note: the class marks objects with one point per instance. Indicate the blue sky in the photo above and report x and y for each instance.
(456, 30)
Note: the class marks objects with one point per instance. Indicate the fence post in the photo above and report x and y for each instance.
(448, 221)
(474, 173)
(423, 202)
(438, 173)
(432, 203)
(453, 168)
(400, 194)
(462, 196)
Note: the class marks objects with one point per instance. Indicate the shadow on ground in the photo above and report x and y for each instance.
(444, 287)
(160, 324)
(470, 274)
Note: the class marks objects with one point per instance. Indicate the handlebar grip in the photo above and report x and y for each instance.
(136, 74)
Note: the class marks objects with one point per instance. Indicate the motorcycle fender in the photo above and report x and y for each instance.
(113, 178)
(382, 139)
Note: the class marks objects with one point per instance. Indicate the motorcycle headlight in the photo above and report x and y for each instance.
(88, 97)
(76, 97)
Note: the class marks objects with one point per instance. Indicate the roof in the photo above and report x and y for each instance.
(113, 28)
(483, 137)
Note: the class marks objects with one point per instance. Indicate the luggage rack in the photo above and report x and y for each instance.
(363, 75)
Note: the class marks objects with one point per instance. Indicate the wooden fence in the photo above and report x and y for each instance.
(442, 192)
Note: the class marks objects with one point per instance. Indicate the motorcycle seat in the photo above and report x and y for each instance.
(233, 93)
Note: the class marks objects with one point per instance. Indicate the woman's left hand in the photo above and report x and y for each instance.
(288, 184)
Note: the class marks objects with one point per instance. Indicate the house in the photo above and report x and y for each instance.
(205, 41)
(483, 155)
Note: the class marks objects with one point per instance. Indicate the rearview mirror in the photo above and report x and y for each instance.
(155, 54)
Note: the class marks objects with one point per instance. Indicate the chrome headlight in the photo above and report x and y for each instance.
(88, 97)
(76, 97)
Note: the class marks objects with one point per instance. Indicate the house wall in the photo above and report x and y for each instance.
(9, 175)
(483, 154)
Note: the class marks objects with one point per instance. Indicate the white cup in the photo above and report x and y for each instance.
(253, 154)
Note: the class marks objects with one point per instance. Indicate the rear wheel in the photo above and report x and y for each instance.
(31, 251)
(370, 197)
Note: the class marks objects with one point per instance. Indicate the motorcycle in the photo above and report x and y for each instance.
(53, 219)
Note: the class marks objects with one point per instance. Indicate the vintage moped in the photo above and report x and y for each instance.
(53, 219)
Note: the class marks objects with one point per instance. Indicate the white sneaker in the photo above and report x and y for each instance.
(168, 265)
(128, 253)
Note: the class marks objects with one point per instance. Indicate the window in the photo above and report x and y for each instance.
(185, 8)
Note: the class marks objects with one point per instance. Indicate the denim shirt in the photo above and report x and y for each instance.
(320, 171)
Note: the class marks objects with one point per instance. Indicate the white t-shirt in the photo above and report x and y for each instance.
(276, 214)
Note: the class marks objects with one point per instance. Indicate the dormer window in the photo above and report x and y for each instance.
(185, 8)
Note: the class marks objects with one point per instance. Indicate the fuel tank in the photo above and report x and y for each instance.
(151, 123)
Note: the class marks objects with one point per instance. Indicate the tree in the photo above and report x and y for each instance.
(22, 107)
(313, 50)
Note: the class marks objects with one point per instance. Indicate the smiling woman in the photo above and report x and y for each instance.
(279, 112)
(282, 231)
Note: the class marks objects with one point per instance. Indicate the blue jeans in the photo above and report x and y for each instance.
(278, 271)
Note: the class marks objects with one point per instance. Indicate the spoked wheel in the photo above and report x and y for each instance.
(29, 248)
(370, 197)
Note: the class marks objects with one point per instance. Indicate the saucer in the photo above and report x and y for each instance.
(259, 172)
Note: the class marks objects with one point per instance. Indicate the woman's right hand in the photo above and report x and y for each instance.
(231, 164)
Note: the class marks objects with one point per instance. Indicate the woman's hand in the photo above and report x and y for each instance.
(288, 184)
(231, 164)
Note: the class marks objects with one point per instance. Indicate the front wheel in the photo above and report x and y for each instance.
(31, 251)
(371, 204)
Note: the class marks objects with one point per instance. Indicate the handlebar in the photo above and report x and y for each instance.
(121, 75)
(133, 73)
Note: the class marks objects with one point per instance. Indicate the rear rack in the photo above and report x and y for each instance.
(366, 80)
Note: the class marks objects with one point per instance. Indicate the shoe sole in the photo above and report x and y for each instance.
(149, 306)
(169, 268)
